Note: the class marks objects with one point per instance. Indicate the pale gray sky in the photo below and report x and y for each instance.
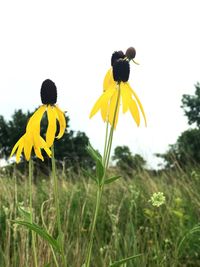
(71, 42)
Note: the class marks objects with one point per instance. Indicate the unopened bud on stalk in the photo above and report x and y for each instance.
(130, 53)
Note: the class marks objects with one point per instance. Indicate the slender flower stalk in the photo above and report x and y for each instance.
(33, 140)
(116, 89)
(46, 228)
(57, 205)
(49, 98)
(106, 157)
(105, 143)
(31, 211)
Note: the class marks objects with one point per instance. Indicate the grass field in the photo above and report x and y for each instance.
(127, 223)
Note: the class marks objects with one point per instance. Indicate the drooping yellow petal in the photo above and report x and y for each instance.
(62, 122)
(28, 144)
(134, 111)
(104, 110)
(97, 105)
(19, 142)
(45, 147)
(104, 98)
(35, 119)
(51, 129)
(108, 80)
(19, 150)
(39, 143)
(36, 139)
(138, 102)
(38, 153)
(126, 96)
(112, 108)
(105, 106)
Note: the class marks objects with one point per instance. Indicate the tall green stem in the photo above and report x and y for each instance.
(105, 143)
(106, 157)
(43, 222)
(30, 168)
(58, 218)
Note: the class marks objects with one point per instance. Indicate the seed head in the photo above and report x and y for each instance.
(121, 70)
(115, 56)
(48, 92)
(130, 53)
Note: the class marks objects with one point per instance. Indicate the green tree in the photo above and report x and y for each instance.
(4, 134)
(186, 150)
(191, 106)
(127, 162)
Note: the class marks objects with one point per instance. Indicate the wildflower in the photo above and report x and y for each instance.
(116, 80)
(32, 139)
(54, 113)
(157, 199)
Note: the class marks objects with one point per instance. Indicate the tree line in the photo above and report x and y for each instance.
(70, 150)
(186, 151)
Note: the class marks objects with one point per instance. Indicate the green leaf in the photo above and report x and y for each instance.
(41, 232)
(111, 179)
(47, 265)
(98, 159)
(24, 213)
(194, 230)
(94, 153)
(118, 263)
(99, 170)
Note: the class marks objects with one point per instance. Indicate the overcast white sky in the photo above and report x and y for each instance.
(71, 42)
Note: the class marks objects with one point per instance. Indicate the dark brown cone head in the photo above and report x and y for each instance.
(115, 56)
(48, 92)
(121, 70)
(130, 53)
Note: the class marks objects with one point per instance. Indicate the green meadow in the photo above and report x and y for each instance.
(127, 224)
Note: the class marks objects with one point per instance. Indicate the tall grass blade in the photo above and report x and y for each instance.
(120, 262)
(41, 232)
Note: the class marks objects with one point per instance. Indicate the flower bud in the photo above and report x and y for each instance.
(130, 53)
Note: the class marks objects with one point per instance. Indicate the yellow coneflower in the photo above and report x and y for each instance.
(117, 79)
(54, 113)
(32, 139)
